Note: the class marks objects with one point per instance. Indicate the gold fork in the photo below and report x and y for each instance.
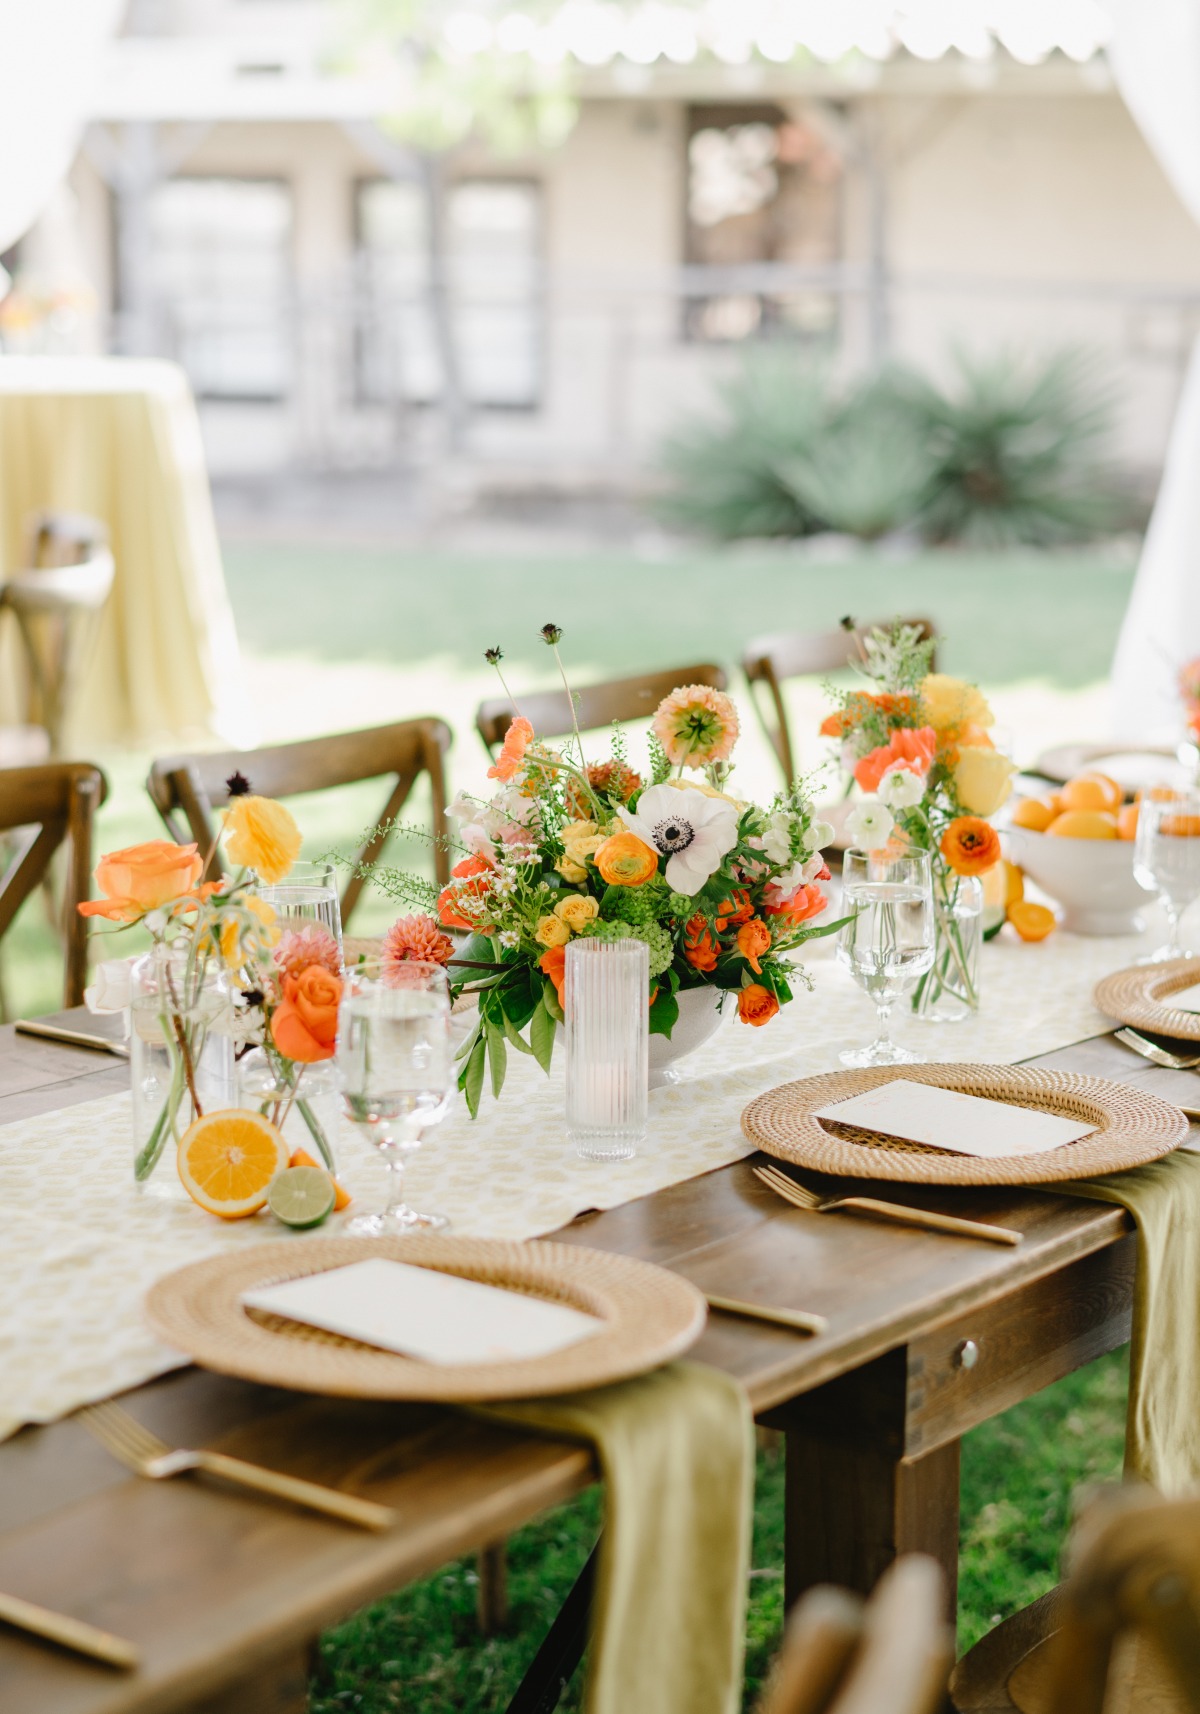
(146, 1455)
(800, 1197)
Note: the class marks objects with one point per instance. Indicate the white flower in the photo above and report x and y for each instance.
(463, 808)
(692, 831)
(509, 937)
(869, 824)
(777, 840)
(799, 875)
(156, 921)
(900, 788)
(475, 836)
(820, 834)
(111, 989)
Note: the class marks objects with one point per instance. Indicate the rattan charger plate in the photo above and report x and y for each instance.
(1141, 996)
(1132, 1128)
(649, 1316)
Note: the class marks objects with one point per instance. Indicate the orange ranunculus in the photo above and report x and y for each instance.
(553, 963)
(860, 704)
(512, 752)
(734, 911)
(470, 869)
(700, 946)
(970, 845)
(911, 747)
(143, 878)
(624, 860)
(304, 1024)
(805, 902)
(756, 1005)
(753, 939)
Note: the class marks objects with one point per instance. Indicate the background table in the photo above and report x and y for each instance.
(225, 1594)
(119, 438)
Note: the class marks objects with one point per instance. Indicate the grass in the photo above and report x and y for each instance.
(340, 637)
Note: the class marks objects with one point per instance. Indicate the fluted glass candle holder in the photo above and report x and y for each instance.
(606, 1001)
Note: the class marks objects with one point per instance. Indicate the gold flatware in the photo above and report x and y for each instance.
(1157, 1055)
(799, 1320)
(145, 1454)
(800, 1197)
(71, 1038)
(70, 1633)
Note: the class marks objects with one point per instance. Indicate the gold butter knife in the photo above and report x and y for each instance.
(70, 1633)
(799, 1320)
(71, 1038)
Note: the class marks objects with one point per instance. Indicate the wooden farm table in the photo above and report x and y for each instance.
(225, 1593)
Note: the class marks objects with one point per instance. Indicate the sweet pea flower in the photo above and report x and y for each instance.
(900, 788)
(869, 824)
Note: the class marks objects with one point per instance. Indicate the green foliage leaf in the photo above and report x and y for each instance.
(513, 1036)
(497, 1056)
(470, 1078)
(664, 1015)
(541, 1035)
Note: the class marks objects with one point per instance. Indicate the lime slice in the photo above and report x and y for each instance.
(301, 1195)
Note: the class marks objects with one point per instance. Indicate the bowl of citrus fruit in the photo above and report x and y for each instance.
(1076, 844)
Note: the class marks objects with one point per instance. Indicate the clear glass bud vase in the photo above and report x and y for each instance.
(303, 1100)
(180, 1056)
(949, 991)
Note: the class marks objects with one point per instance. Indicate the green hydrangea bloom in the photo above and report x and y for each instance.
(636, 905)
(657, 940)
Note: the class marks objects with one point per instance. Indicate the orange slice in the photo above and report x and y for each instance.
(341, 1198)
(228, 1159)
(1032, 922)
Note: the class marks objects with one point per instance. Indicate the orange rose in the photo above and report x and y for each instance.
(512, 752)
(143, 878)
(753, 939)
(756, 1005)
(471, 868)
(553, 963)
(304, 1024)
(700, 946)
(908, 747)
(805, 902)
(624, 860)
(734, 911)
(970, 845)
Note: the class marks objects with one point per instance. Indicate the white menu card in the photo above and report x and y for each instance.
(1187, 999)
(418, 1312)
(946, 1119)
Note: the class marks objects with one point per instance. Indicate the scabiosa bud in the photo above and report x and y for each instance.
(493, 657)
(237, 785)
(847, 622)
(551, 634)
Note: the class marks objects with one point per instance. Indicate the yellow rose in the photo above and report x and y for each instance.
(552, 931)
(260, 834)
(572, 866)
(982, 779)
(949, 702)
(577, 911)
(571, 871)
(705, 790)
(578, 830)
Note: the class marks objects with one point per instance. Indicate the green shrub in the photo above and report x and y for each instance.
(867, 474)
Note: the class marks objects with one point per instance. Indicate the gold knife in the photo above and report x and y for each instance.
(799, 1320)
(72, 1038)
(70, 1633)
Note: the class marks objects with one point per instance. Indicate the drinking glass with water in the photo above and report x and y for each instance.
(307, 898)
(887, 941)
(1166, 857)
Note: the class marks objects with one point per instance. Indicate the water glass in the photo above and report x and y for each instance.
(1166, 857)
(180, 1059)
(307, 898)
(395, 1067)
(607, 1006)
(887, 944)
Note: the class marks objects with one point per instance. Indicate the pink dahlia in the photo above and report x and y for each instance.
(696, 725)
(300, 947)
(416, 937)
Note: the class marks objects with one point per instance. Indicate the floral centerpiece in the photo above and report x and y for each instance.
(220, 979)
(918, 744)
(721, 891)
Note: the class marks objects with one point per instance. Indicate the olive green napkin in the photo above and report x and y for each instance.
(676, 1448)
(1162, 1436)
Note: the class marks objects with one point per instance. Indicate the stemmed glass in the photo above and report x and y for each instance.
(1166, 858)
(887, 942)
(395, 1066)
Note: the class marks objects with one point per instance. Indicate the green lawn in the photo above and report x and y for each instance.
(322, 621)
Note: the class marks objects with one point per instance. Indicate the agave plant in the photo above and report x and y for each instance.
(868, 474)
(1014, 450)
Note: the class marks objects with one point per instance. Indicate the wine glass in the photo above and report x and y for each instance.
(395, 1066)
(1166, 857)
(887, 943)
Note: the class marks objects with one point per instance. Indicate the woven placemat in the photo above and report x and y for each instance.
(649, 1316)
(1131, 1126)
(1141, 996)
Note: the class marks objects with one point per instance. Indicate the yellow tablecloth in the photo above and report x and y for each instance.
(119, 438)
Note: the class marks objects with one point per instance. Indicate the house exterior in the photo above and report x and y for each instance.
(241, 206)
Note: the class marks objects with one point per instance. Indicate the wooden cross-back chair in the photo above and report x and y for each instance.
(1120, 1636)
(56, 598)
(596, 705)
(769, 662)
(188, 790)
(42, 808)
(888, 1655)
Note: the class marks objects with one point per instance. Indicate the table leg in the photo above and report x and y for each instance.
(853, 1501)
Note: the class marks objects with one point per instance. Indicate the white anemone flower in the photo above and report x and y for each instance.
(869, 824)
(900, 788)
(691, 831)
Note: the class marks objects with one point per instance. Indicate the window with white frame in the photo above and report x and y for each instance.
(493, 244)
(221, 264)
